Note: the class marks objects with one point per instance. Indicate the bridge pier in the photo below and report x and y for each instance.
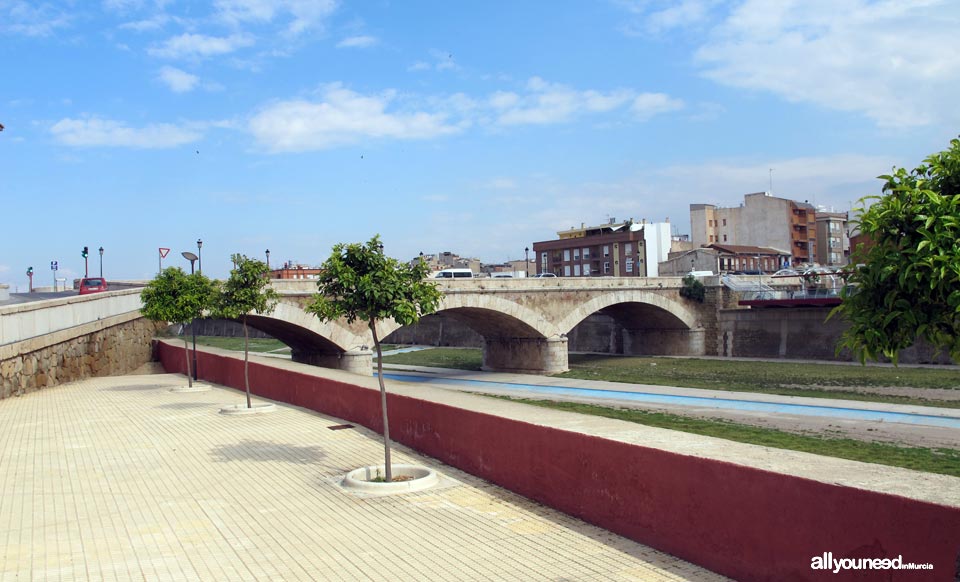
(525, 355)
(664, 342)
(353, 361)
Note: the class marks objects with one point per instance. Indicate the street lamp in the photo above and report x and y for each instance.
(268, 259)
(526, 260)
(101, 262)
(193, 324)
(199, 254)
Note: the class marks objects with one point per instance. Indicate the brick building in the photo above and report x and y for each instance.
(762, 220)
(626, 249)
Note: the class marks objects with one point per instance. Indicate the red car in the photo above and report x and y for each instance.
(92, 285)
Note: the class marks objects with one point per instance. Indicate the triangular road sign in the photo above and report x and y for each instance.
(163, 252)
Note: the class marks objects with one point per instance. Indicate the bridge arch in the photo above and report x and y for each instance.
(647, 323)
(327, 344)
(488, 315)
(515, 338)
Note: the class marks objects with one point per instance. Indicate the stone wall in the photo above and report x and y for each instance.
(100, 350)
(797, 333)
(223, 328)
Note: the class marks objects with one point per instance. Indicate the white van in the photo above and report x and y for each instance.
(454, 274)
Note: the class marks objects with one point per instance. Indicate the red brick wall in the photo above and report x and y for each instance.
(745, 523)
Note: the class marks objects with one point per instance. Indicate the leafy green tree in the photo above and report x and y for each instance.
(908, 285)
(246, 291)
(693, 289)
(359, 282)
(174, 296)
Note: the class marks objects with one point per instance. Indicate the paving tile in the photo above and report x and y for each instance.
(119, 478)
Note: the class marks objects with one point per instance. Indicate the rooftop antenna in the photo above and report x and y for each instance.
(771, 181)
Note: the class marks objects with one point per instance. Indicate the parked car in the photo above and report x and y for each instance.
(454, 274)
(544, 276)
(93, 285)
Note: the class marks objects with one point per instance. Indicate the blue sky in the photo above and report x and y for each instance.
(472, 127)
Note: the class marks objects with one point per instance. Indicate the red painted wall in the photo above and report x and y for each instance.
(742, 522)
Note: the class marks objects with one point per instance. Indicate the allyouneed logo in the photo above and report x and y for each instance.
(828, 562)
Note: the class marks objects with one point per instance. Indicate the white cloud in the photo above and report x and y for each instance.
(646, 105)
(177, 80)
(362, 41)
(546, 103)
(442, 61)
(341, 117)
(97, 132)
(31, 18)
(898, 63)
(300, 15)
(155, 22)
(198, 46)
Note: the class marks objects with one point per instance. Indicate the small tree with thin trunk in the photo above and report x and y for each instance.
(174, 296)
(246, 291)
(359, 282)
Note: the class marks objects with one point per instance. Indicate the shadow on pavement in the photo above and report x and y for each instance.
(267, 451)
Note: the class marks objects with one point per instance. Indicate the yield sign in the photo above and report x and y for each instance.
(163, 252)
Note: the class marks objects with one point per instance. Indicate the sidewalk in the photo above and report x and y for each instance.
(118, 478)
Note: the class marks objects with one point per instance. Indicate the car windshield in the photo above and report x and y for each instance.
(93, 282)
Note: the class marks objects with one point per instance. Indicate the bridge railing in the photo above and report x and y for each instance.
(307, 286)
(24, 321)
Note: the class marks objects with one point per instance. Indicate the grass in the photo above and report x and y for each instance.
(784, 378)
(236, 343)
(457, 358)
(938, 460)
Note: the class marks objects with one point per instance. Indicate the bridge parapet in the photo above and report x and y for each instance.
(25, 321)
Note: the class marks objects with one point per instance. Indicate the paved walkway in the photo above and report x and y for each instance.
(121, 479)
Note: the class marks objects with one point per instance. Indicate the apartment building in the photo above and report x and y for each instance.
(625, 249)
(762, 220)
(833, 242)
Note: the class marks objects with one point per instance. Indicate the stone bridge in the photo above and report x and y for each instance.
(524, 322)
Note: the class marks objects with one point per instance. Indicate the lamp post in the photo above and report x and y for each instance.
(526, 260)
(199, 255)
(101, 262)
(193, 324)
(268, 259)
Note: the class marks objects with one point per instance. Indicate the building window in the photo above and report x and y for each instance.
(724, 222)
(724, 238)
(628, 248)
(576, 254)
(543, 262)
(586, 270)
(566, 270)
(629, 265)
(586, 253)
(576, 270)
(606, 267)
(566, 256)
(606, 250)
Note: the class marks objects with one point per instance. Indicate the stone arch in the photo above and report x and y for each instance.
(295, 327)
(681, 313)
(494, 315)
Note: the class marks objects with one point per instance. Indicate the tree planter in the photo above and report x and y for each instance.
(241, 409)
(197, 387)
(417, 478)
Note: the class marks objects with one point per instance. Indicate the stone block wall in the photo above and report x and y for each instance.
(100, 350)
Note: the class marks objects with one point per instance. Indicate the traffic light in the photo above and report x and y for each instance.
(85, 252)
(29, 271)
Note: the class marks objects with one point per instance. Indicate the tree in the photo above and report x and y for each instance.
(174, 296)
(908, 285)
(246, 291)
(359, 282)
